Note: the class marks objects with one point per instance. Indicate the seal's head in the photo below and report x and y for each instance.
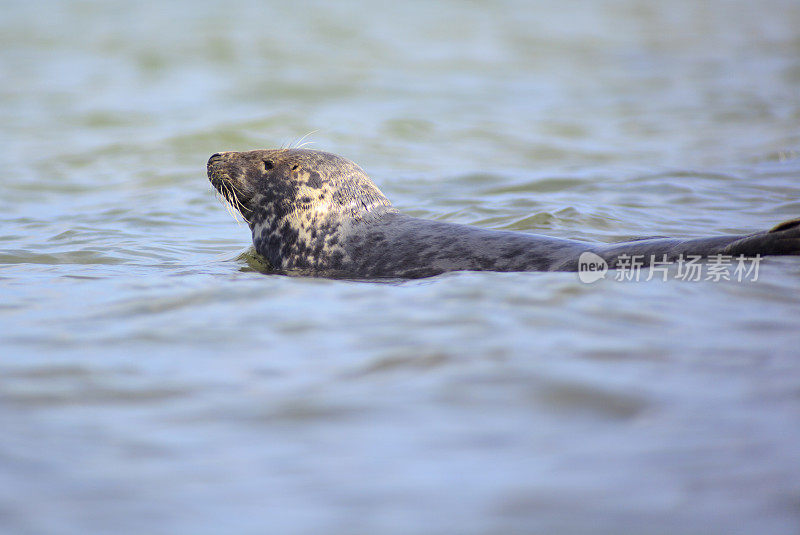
(270, 186)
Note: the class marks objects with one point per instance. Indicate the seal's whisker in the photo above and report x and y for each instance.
(234, 188)
(230, 210)
(225, 195)
(221, 199)
(234, 211)
(299, 143)
(239, 206)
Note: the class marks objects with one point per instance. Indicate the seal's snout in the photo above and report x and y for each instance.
(219, 157)
(216, 157)
(215, 168)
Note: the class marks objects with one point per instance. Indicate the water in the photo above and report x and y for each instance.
(151, 381)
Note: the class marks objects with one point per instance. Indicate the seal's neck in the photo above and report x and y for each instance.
(358, 201)
(313, 239)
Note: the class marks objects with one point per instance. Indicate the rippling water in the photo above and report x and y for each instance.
(153, 381)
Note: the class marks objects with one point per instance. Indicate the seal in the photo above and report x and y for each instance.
(316, 213)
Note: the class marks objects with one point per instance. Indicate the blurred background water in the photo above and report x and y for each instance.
(152, 382)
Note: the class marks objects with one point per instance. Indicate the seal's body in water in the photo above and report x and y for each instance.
(318, 213)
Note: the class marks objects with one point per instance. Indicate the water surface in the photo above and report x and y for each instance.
(152, 381)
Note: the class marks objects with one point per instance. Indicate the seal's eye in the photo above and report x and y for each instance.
(294, 167)
(268, 164)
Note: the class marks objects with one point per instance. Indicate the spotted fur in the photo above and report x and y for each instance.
(317, 213)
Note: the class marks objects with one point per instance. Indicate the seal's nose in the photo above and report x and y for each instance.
(217, 156)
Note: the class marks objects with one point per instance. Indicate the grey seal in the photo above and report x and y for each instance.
(316, 213)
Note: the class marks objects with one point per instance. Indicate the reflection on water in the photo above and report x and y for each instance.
(154, 380)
